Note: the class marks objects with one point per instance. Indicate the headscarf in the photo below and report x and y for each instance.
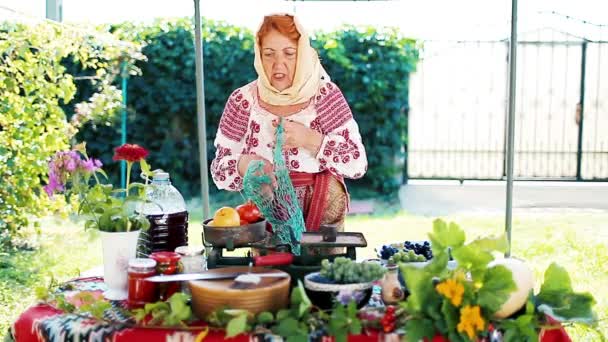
(307, 79)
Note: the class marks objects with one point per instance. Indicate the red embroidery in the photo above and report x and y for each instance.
(233, 123)
(316, 124)
(250, 140)
(332, 109)
(219, 169)
(342, 151)
(295, 164)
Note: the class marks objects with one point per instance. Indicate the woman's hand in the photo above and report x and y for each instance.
(245, 159)
(297, 135)
(243, 165)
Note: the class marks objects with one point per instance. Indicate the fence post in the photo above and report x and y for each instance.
(124, 74)
(580, 112)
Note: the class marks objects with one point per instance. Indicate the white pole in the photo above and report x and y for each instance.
(511, 121)
(200, 110)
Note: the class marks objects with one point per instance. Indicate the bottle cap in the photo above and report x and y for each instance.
(190, 250)
(142, 263)
(160, 176)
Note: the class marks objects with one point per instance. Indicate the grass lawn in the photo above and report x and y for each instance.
(576, 240)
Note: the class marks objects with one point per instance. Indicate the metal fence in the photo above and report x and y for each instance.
(458, 107)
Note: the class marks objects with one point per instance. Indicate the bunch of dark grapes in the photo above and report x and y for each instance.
(423, 249)
(388, 251)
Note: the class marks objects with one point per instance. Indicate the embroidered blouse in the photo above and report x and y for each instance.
(246, 128)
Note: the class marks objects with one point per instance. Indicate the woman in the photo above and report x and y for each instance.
(322, 141)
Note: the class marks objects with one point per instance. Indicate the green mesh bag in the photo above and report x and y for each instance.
(277, 202)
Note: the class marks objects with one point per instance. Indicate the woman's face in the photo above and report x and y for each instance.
(279, 55)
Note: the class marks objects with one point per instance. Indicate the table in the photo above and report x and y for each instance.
(43, 322)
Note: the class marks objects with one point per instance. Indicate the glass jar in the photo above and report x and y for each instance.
(193, 260)
(141, 291)
(167, 263)
(391, 287)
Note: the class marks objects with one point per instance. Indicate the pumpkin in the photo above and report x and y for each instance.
(524, 281)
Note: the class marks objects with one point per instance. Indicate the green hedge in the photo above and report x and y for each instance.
(34, 87)
(370, 66)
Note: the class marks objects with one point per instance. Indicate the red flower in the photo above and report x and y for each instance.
(130, 152)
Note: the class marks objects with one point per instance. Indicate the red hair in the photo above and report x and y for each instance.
(283, 24)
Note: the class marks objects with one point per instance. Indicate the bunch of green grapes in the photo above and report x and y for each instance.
(345, 271)
(403, 256)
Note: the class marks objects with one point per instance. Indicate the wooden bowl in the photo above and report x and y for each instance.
(271, 294)
(236, 236)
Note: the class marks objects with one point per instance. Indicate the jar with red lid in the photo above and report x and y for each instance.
(167, 263)
(141, 291)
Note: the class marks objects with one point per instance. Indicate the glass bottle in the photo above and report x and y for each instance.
(166, 210)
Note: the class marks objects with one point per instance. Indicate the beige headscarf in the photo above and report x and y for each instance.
(306, 80)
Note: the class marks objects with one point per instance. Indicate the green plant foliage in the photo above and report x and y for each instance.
(34, 85)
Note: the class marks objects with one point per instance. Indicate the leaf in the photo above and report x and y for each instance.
(297, 338)
(419, 284)
(491, 244)
(356, 327)
(472, 259)
(556, 280)
(145, 168)
(496, 288)
(418, 329)
(447, 235)
(450, 314)
(286, 327)
(557, 299)
(236, 326)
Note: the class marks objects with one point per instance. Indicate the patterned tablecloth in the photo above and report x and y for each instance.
(43, 322)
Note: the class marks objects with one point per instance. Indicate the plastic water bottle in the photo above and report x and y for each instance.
(166, 211)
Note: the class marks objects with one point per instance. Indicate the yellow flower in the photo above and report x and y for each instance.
(452, 290)
(470, 321)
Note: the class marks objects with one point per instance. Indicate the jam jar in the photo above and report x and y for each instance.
(167, 263)
(193, 260)
(141, 291)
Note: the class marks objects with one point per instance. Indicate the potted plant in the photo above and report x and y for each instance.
(109, 210)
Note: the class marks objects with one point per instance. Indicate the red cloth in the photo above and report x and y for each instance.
(318, 202)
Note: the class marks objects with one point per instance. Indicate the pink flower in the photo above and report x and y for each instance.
(92, 165)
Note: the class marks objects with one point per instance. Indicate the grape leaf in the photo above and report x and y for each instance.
(491, 244)
(286, 327)
(419, 329)
(236, 326)
(419, 284)
(557, 299)
(447, 235)
(472, 259)
(497, 286)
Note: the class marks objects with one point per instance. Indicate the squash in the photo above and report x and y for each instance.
(524, 280)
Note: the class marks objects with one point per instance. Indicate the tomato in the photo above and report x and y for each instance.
(249, 212)
(244, 222)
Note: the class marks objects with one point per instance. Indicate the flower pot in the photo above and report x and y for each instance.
(118, 248)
